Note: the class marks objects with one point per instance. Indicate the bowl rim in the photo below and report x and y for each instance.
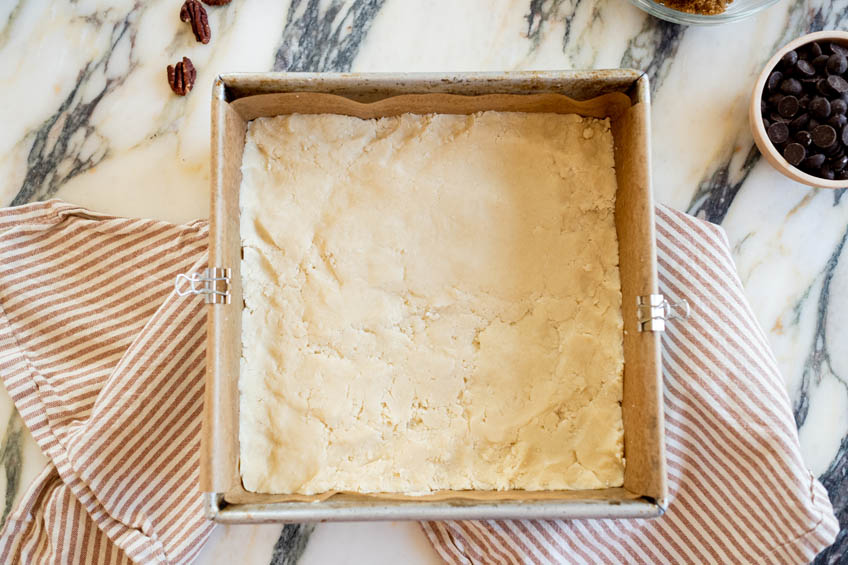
(657, 9)
(764, 144)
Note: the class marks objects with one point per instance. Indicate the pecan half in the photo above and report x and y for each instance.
(181, 76)
(216, 2)
(194, 13)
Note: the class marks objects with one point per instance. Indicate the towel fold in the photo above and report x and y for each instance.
(105, 364)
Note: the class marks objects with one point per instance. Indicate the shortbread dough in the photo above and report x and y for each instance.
(430, 302)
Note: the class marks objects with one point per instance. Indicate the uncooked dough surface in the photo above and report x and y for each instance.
(431, 302)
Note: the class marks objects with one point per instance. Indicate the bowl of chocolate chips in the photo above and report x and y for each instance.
(799, 110)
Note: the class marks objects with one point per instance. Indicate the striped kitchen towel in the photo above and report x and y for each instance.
(739, 491)
(105, 364)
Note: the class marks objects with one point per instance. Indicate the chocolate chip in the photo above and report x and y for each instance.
(804, 138)
(788, 107)
(820, 62)
(837, 64)
(804, 69)
(809, 84)
(838, 121)
(789, 59)
(813, 124)
(838, 106)
(837, 49)
(776, 117)
(774, 99)
(791, 86)
(823, 88)
(800, 122)
(778, 133)
(794, 153)
(766, 123)
(815, 50)
(844, 136)
(837, 84)
(838, 163)
(774, 80)
(823, 136)
(819, 107)
(842, 175)
(804, 101)
(834, 150)
(813, 161)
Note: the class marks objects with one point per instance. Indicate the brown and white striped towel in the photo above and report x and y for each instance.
(105, 364)
(739, 492)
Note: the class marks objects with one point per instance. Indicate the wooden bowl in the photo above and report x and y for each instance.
(768, 150)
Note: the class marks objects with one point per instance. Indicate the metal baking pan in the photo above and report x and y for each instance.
(238, 98)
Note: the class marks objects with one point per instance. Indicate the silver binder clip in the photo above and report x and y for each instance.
(653, 311)
(213, 284)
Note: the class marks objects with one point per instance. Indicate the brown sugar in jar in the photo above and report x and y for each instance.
(705, 7)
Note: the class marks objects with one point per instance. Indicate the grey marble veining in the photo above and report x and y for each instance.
(324, 40)
(67, 144)
(820, 360)
(652, 49)
(10, 458)
(90, 119)
(291, 544)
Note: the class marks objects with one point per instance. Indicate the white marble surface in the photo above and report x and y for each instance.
(88, 117)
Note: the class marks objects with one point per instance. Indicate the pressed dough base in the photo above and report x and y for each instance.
(431, 303)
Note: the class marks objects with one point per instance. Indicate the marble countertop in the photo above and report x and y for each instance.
(88, 117)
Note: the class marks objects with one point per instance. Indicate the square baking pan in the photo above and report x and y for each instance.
(620, 94)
